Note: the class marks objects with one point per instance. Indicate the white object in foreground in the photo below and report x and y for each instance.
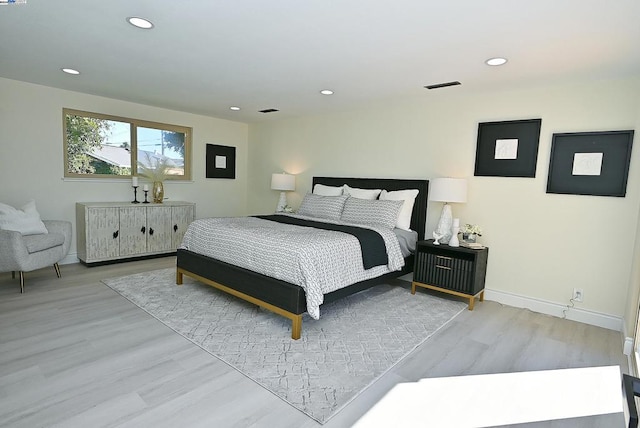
(499, 399)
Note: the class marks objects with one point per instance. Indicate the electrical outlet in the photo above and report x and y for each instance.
(578, 295)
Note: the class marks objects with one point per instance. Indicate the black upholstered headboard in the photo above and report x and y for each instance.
(419, 215)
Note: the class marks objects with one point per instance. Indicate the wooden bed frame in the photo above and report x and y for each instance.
(288, 299)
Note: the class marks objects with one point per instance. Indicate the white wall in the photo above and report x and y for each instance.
(31, 154)
(633, 294)
(541, 245)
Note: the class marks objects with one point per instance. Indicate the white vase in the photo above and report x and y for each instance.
(454, 242)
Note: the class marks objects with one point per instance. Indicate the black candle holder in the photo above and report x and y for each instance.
(135, 195)
(145, 196)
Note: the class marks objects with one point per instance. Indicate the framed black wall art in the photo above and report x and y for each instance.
(221, 161)
(508, 148)
(590, 163)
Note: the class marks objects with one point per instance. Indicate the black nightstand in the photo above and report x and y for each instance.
(455, 270)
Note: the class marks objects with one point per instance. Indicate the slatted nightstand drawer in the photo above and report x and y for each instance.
(442, 271)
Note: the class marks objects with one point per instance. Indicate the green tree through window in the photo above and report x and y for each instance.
(84, 134)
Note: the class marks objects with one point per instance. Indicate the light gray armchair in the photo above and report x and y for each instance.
(27, 253)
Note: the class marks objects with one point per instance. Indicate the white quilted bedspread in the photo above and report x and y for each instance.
(319, 261)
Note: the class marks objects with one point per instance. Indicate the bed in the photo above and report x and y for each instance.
(285, 298)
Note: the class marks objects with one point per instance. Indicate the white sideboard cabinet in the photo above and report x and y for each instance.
(112, 231)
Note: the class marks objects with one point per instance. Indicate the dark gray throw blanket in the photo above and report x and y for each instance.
(374, 251)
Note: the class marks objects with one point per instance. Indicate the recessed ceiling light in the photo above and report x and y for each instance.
(70, 71)
(326, 92)
(496, 61)
(140, 22)
(234, 108)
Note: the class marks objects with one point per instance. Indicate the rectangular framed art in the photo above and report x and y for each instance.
(508, 148)
(590, 163)
(221, 161)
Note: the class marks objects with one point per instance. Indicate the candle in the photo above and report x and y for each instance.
(134, 181)
(145, 188)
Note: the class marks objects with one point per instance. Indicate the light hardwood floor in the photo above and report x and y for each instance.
(73, 353)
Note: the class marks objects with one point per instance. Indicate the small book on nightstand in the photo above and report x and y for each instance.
(472, 245)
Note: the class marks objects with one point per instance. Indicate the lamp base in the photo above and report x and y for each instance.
(443, 230)
(282, 202)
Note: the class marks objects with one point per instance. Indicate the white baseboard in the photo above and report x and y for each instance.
(71, 258)
(610, 322)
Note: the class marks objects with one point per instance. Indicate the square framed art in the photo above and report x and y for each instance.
(590, 163)
(508, 148)
(221, 161)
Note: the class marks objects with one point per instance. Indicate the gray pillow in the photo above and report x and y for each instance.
(329, 207)
(371, 212)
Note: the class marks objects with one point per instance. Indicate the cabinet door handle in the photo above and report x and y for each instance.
(115, 234)
(150, 231)
(175, 227)
(443, 267)
(443, 257)
(143, 230)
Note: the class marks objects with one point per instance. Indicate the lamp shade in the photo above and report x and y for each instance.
(448, 190)
(283, 182)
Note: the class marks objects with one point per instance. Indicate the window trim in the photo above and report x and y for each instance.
(188, 131)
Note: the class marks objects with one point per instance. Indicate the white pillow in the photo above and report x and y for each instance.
(322, 206)
(371, 212)
(409, 198)
(26, 220)
(361, 193)
(322, 190)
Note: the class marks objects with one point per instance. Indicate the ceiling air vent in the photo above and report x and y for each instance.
(443, 85)
(269, 110)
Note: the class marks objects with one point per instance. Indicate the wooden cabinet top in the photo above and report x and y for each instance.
(129, 204)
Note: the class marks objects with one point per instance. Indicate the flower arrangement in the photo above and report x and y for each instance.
(155, 169)
(471, 229)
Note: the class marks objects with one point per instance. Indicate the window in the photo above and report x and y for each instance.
(102, 146)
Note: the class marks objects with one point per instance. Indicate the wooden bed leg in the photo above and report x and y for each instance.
(178, 277)
(296, 327)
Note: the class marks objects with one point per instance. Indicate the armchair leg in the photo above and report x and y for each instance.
(13, 274)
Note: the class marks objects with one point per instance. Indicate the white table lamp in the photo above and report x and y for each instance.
(447, 190)
(285, 183)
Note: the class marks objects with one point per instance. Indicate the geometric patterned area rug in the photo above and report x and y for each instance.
(356, 340)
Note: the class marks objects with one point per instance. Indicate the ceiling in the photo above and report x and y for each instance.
(204, 56)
